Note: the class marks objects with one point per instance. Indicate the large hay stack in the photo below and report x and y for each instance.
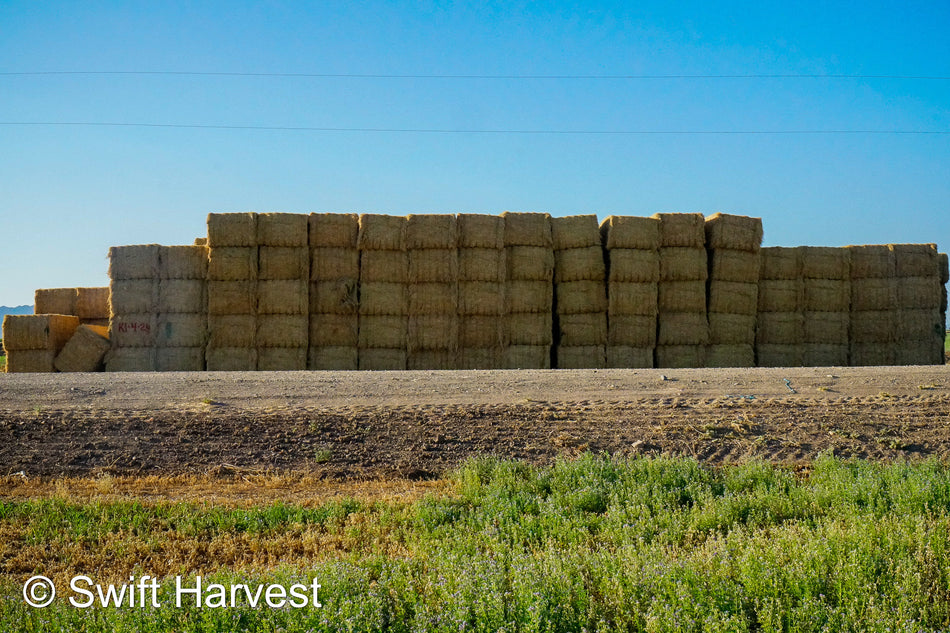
(334, 287)
(529, 246)
(732, 244)
(433, 330)
(580, 293)
(920, 304)
(874, 326)
(826, 303)
(780, 322)
(384, 297)
(134, 273)
(482, 265)
(31, 342)
(182, 308)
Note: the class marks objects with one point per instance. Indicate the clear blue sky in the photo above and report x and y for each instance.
(69, 192)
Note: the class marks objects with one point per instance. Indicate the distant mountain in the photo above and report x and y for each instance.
(16, 310)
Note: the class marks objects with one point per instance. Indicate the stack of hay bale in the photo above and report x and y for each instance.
(133, 296)
(283, 303)
(529, 246)
(384, 297)
(182, 308)
(920, 305)
(733, 244)
(780, 322)
(433, 330)
(232, 292)
(481, 293)
(633, 270)
(874, 305)
(826, 296)
(91, 305)
(580, 293)
(31, 342)
(334, 284)
(682, 325)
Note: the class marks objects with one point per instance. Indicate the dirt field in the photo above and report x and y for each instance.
(417, 425)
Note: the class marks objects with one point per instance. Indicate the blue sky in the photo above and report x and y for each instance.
(68, 192)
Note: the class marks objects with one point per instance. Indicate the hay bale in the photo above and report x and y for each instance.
(432, 359)
(201, 241)
(943, 268)
(622, 356)
(183, 262)
(919, 353)
(482, 264)
(733, 297)
(180, 359)
(680, 356)
(536, 328)
(581, 357)
(92, 303)
(282, 330)
(825, 262)
(683, 264)
(31, 361)
(231, 359)
(872, 261)
(779, 355)
(781, 295)
(232, 297)
(384, 298)
(283, 296)
(528, 229)
(38, 331)
(334, 330)
(331, 263)
(431, 231)
(233, 263)
(780, 328)
(182, 330)
(734, 232)
(282, 359)
(231, 330)
(874, 326)
(283, 262)
(527, 357)
(682, 328)
(579, 297)
(872, 354)
(181, 295)
(84, 351)
(729, 265)
(682, 296)
(333, 358)
(481, 297)
(55, 301)
(134, 262)
(133, 330)
(915, 260)
(481, 331)
(682, 229)
(629, 232)
(530, 262)
(476, 230)
(333, 230)
(832, 328)
(874, 294)
(388, 266)
(530, 296)
(432, 332)
(780, 262)
(919, 293)
(633, 265)
(827, 295)
(131, 359)
(382, 233)
(736, 355)
(580, 264)
(631, 331)
(580, 330)
(433, 265)
(825, 355)
(232, 229)
(133, 296)
(920, 325)
(334, 297)
(731, 329)
(380, 359)
(632, 298)
(481, 358)
(282, 229)
(383, 331)
(575, 231)
(433, 298)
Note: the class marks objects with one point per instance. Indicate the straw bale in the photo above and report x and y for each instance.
(283, 296)
(874, 326)
(581, 357)
(181, 295)
(35, 361)
(388, 266)
(733, 297)
(632, 298)
(530, 262)
(232, 263)
(826, 262)
(682, 328)
(730, 356)
(382, 232)
(431, 231)
(133, 295)
(731, 329)
(580, 264)
(920, 325)
(382, 359)
(334, 330)
(631, 331)
(730, 265)
(333, 230)
(433, 298)
(825, 355)
(334, 297)
(735, 232)
(55, 301)
(827, 295)
(528, 229)
(99, 322)
(231, 359)
(582, 329)
(433, 331)
(780, 328)
(332, 263)
(481, 297)
(182, 330)
(874, 294)
(201, 241)
(282, 330)
(624, 356)
(432, 359)
(831, 328)
(630, 232)
(384, 298)
(383, 331)
(232, 330)
(683, 264)
(682, 229)
(333, 358)
(283, 262)
(38, 331)
(943, 268)
(780, 262)
(779, 355)
(232, 297)
(133, 330)
(872, 261)
(92, 303)
(527, 357)
(481, 331)
(919, 292)
(530, 296)
(482, 264)
(680, 356)
(530, 328)
(180, 359)
(481, 358)
(872, 354)
(232, 229)
(919, 353)
(131, 359)
(477, 230)
(282, 359)
(575, 231)
(85, 350)
(636, 265)
(915, 260)
(580, 297)
(183, 262)
(134, 262)
(682, 296)
(433, 264)
(282, 229)
(781, 295)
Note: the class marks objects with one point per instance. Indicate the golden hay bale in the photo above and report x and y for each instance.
(331, 263)
(84, 351)
(133, 296)
(333, 358)
(630, 264)
(530, 262)
(575, 231)
(283, 262)
(382, 359)
(680, 356)
(232, 297)
(433, 265)
(283, 296)
(915, 260)
(382, 232)
(232, 263)
(133, 330)
(55, 301)
(874, 326)
(919, 325)
(232, 330)
(482, 264)
(383, 331)
(282, 330)
(201, 241)
(431, 231)
(282, 229)
(780, 328)
(481, 297)
(781, 295)
(682, 328)
(683, 264)
(624, 356)
(333, 230)
(232, 229)
(874, 294)
(530, 296)
(831, 328)
(527, 357)
(827, 295)
(528, 229)
(737, 355)
(734, 232)
(182, 330)
(530, 328)
(433, 298)
(731, 329)
(334, 330)
(580, 264)
(38, 331)
(780, 262)
(32, 361)
(92, 303)
(134, 262)
(334, 297)
(231, 359)
(577, 330)
(181, 295)
(282, 359)
(432, 331)
(630, 232)
(180, 359)
(377, 298)
(131, 359)
(919, 292)
(432, 359)
(920, 353)
(872, 354)
(826, 262)
(779, 355)
(943, 268)
(729, 265)
(581, 357)
(481, 331)
(825, 355)
(682, 229)
(477, 230)
(580, 297)
(682, 296)
(733, 297)
(631, 331)
(183, 262)
(872, 261)
(481, 358)
(388, 266)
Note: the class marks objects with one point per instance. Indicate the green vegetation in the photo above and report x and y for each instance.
(591, 545)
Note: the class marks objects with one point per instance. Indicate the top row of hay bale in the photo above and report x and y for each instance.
(91, 305)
